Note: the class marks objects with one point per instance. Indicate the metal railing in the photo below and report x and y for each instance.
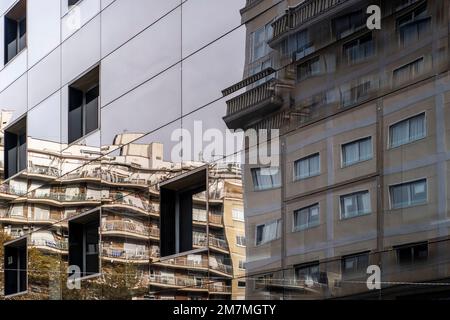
(251, 97)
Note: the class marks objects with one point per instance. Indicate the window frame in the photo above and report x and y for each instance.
(10, 127)
(343, 165)
(273, 186)
(277, 233)
(341, 212)
(411, 247)
(84, 135)
(299, 228)
(19, 50)
(358, 39)
(12, 243)
(309, 62)
(409, 183)
(309, 157)
(307, 265)
(407, 118)
(356, 272)
(395, 81)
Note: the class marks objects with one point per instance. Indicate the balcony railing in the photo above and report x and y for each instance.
(45, 171)
(301, 14)
(179, 281)
(219, 289)
(131, 227)
(224, 268)
(58, 245)
(254, 103)
(125, 254)
(10, 190)
(185, 262)
(62, 197)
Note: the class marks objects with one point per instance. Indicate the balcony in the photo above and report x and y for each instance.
(181, 282)
(301, 14)
(219, 289)
(130, 227)
(122, 254)
(185, 262)
(52, 245)
(253, 105)
(43, 171)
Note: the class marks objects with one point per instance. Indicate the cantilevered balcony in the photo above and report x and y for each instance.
(304, 12)
(253, 105)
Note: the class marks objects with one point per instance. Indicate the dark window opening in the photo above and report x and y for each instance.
(71, 3)
(412, 254)
(349, 23)
(355, 264)
(83, 105)
(15, 255)
(84, 241)
(15, 30)
(15, 155)
(177, 211)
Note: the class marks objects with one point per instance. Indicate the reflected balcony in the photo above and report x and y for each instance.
(253, 105)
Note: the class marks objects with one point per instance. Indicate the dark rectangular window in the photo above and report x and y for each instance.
(359, 49)
(84, 241)
(15, 30)
(412, 254)
(349, 23)
(177, 211)
(83, 105)
(355, 264)
(15, 155)
(413, 25)
(15, 255)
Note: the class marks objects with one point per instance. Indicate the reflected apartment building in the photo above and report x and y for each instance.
(122, 194)
(92, 203)
(364, 158)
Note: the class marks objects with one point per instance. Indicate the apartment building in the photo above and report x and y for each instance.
(364, 155)
(94, 204)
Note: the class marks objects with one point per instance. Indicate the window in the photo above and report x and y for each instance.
(266, 178)
(308, 69)
(356, 93)
(84, 241)
(409, 71)
(83, 105)
(240, 241)
(242, 266)
(355, 264)
(308, 273)
(15, 30)
(408, 194)
(306, 218)
(349, 23)
(238, 215)
(16, 267)
(15, 155)
(307, 167)
(260, 67)
(407, 131)
(357, 151)
(355, 204)
(413, 25)
(407, 255)
(302, 46)
(241, 284)
(359, 49)
(268, 232)
(71, 3)
(176, 198)
(259, 39)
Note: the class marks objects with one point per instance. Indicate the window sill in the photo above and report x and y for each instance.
(356, 216)
(306, 178)
(407, 143)
(15, 57)
(394, 210)
(344, 166)
(15, 295)
(306, 228)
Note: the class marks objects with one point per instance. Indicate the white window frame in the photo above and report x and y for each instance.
(405, 119)
(341, 216)
(299, 228)
(298, 178)
(411, 181)
(343, 165)
(277, 235)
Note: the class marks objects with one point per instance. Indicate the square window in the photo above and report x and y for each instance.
(15, 32)
(15, 155)
(84, 242)
(16, 267)
(83, 105)
(176, 194)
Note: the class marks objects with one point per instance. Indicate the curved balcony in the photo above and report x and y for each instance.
(121, 255)
(129, 229)
(253, 105)
(184, 262)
